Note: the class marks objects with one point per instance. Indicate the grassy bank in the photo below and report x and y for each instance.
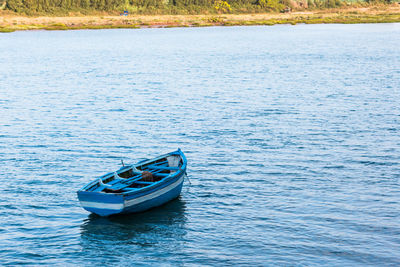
(10, 22)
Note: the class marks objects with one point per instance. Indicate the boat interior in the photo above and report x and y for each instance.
(134, 177)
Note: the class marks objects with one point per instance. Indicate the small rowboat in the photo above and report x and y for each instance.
(135, 188)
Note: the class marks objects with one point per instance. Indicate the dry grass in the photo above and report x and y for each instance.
(373, 14)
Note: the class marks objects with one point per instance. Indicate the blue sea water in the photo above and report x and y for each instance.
(292, 134)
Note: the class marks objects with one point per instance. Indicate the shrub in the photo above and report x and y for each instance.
(274, 5)
(222, 6)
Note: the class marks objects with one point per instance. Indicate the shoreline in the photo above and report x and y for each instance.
(10, 22)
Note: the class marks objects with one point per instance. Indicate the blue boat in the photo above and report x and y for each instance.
(135, 188)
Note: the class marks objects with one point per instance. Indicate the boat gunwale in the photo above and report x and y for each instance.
(144, 190)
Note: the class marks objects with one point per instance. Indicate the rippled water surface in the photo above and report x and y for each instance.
(292, 134)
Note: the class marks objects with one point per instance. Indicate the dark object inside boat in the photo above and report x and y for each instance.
(147, 176)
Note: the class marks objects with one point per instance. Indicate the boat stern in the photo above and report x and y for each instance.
(100, 203)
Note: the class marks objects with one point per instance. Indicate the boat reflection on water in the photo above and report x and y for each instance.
(123, 235)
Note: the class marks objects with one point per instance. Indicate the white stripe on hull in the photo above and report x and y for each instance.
(97, 205)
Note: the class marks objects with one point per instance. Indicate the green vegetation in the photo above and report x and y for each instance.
(158, 7)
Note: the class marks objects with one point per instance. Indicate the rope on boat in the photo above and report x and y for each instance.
(187, 176)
